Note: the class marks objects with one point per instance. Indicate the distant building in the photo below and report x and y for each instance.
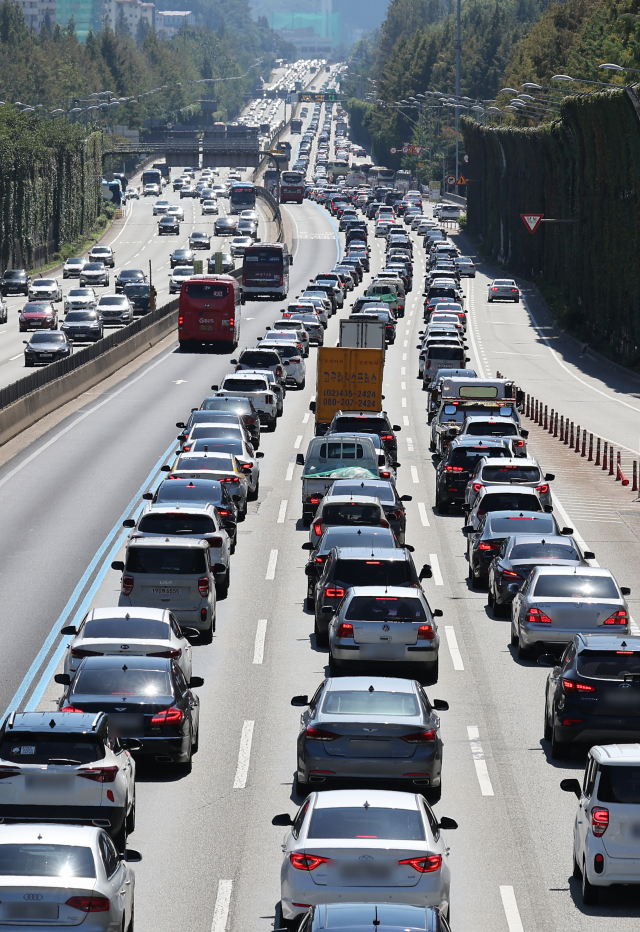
(308, 43)
(87, 15)
(132, 10)
(169, 22)
(35, 13)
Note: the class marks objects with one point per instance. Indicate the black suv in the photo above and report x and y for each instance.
(364, 422)
(15, 281)
(454, 470)
(127, 276)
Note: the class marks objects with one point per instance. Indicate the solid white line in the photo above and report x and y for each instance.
(422, 511)
(305, 419)
(289, 475)
(244, 755)
(404, 402)
(258, 649)
(271, 566)
(296, 445)
(479, 760)
(414, 475)
(11, 358)
(454, 650)
(511, 911)
(405, 420)
(435, 568)
(221, 909)
(282, 511)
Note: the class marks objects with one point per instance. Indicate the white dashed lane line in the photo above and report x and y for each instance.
(405, 420)
(296, 445)
(221, 909)
(244, 756)
(422, 511)
(414, 475)
(282, 511)
(479, 761)
(435, 569)
(258, 648)
(271, 566)
(511, 911)
(454, 650)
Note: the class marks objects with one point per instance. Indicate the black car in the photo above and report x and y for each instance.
(382, 489)
(200, 492)
(226, 226)
(181, 257)
(242, 406)
(228, 263)
(168, 225)
(47, 346)
(383, 917)
(454, 470)
(146, 698)
(139, 295)
(199, 240)
(593, 693)
(126, 276)
(376, 422)
(15, 281)
(516, 558)
(83, 325)
(493, 529)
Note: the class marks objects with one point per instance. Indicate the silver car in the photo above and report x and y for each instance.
(498, 498)
(243, 451)
(517, 471)
(370, 728)
(312, 325)
(503, 289)
(555, 603)
(94, 273)
(80, 299)
(115, 309)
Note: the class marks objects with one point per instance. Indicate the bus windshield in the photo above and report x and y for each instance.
(242, 196)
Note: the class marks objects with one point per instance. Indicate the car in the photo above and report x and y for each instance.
(239, 244)
(151, 190)
(115, 309)
(200, 492)
(352, 732)
(466, 266)
(249, 214)
(295, 330)
(227, 405)
(555, 603)
(176, 212)
(209, 206)
(47, 347)
(80, 299)
(83, 326)
(225, 226)
(73, 267)
(181, 257)
(244, 453)
(38, 315)
(133, 193)
(161, 207)
(180, 274)
(346, 510)
(224, 467)
(39, 751)
(484, 543)
(4, 311)
(168, 224)
(386, 493)
(228, 262)
(483, 425)
(60, 875)
(94, 273)
(605, 834)
(15, 281)
(159, 710)
(503, 289)
(585, 703)
(226, 427)
(292, 356)
(522, 471)
(199, 240)
(365, 422)
(497, 498)
(338, 833)
(188, 190)
(311, 323)
(248, 228)
(128, 275)
(45, 289)
(104, 254)
(141, 296)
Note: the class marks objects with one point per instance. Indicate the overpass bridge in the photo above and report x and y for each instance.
(218, 147)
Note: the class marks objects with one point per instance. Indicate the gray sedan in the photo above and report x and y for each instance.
(555, 604)
(370, 728)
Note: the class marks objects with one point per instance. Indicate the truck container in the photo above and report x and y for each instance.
(348, 379)
(360, 334)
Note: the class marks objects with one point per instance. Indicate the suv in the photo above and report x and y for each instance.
(257, 389)
(42, 751)
(517, 471)
(365, 422)
(104, 254)
(606, 846)
(291, 354)
(15, 281)
(261, 358)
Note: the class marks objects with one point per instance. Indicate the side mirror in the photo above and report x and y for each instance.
(571, 785)
(467, 359)
(131, 744)
(445, 822)
(129, 523)
(195, 682)
(513, 588)
(549, 477)
(214, 388)
(148, 496)
(437, 613)
(307, 546)
(625, 590)
(567, 530)
(300, 459)
(259, 455)
(396, 427)
(118, 565)
(396, 465)
(165, 468)
(426, 572)
(589, 555)
(326, 610)
(132, 856)
(234, 362)
(69, 629)
(523, 433)
(283, 819)
(547, 660)
(440, 705)
(300, 700)
(268, 328)
(62, 678)
(467, 529)
(312, 406)
(406, 498)
(181, 424)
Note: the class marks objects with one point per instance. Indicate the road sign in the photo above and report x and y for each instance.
(393, 150)
(409, 149)
(466, 158)
(319, 98)
(451, 179)
(532, 221)
(461, 180)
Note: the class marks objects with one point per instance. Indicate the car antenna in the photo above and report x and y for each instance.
(376, 921)
(371, 689)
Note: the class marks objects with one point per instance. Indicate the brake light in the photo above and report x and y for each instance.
(618, 618)
(99, 774)
(269, 399)
(245, 467)
(373, 562)
(80, 652)
(477, 486)
(537, 617)
(424, 865)
(599, 821)
(543, 489)
(514, 289)
(6, 772)
(518, 443)
(386, 436)
(484, 546)
(231, 321)
(314, 501)
(71, 708)
(571, 685)
(420, 737)
(180, 321)
(317, 528)
(510, 574)
(170, 716)
(628, 653)
(335, 592)
(454, 469)
(318, 734)
(203, 586)
(171, 654)
(89, 904)
(306, 862)
(345, 630)
(127, 585)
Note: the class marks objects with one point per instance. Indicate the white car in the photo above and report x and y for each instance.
(296, 329)
(291, 354)
(73, 267)
(42, 753)
(64, 875)
(80, 299)
(161, 207)
(176, 211)
(104, 254)
(151, 190)
(150, 632)
(503, 289)
(257, 389)
(177, 276)
(246, 456)
(209, 206)
(115, 309)
(352, 846)
(606, 840)
(45, 289)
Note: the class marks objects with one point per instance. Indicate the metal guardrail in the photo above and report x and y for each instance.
(41, 377)
(268, 197)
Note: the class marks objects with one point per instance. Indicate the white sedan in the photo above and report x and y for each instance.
(73, 267)
(64, 875)
(176, 277)
(161, 207)
(176, 211)
(354, 846)
(45, 289)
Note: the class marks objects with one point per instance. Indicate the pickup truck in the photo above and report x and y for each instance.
(257, 389)
(346, 456)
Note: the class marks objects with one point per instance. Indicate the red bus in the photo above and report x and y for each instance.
(291, 187)
(209, 311)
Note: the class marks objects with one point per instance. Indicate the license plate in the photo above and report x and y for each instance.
(206, 327)
(164, 590)
(30, 911)
(49, 782)
(46, 355)
(125, 723)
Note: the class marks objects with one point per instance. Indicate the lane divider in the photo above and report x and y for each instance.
(482, 772)
(258, 648)
(244, 756)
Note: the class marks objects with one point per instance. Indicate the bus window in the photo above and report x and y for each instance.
(242, 197)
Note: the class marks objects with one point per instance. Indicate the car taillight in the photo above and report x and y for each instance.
(71, 708)
(127, 585)
(318, 734)
(424, 865)
(454, 469)
(246, 467)
(345, 630)
(269, 399)
(420, 737)
(538, 617)
(483, 546)
(89, 904)
(571, 685)
(317, 529)
(426, 633)
(477, 486)
(295, 359)
(510, 574)
(599, 821)
(99, 774)
(543, 489)
(171, 654)
(314, 501)
(80, 652)
(618, 618)
(514, 289)
(337, 592)
(180, 321)
(6, 772)
(170, 716)
(518, 443)
(306, 862)
(386, 436)
(203, 586)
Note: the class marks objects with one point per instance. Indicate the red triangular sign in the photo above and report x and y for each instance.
(532, 221)
(418, 149)
(461, 180)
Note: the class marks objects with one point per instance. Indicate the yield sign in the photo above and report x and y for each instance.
(461, 180)
(532, 221)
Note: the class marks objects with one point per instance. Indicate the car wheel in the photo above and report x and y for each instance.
(433, 794)
(514, 635)
(524, 653)
(131, 919)
(222, 589)
(322, 637)
(590, 894)
(302, 788)
(489, 300)
(254, 495)
(490, 599)
(195, 744)
(432, 671)
(576, 873)
(302, 384)
(548, 732)
(130, 821)
(309, 603)
(272, 424)
(559, 749)
(475, 583)
(335, 666)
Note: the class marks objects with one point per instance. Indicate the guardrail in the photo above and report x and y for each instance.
(269, 199)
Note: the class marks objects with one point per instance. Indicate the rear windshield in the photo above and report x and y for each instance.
(34, 748)
(609, 664)
(385, 608)
(351, 513)
(287, 352)
(361, 425)
(171, 525)
(246, 385)
(166, 560)
(220, 445)
(341, 451)
(75, 316)
(446, 352)
(573, 586)
(492, 429)
(259, 359)
(468, 457)
(381, 492)
(370, 538)
(122, 681)
(509, 501)
(206, 461)
(46, 861)
(510, 473)
(270, 256)
(142, 628)
(543, 551)
(366, 822)
(373, 572)
(544, 524)
(619, 784)
(357, 702)
(235, 405)
(172, 491)
(205, 290)
(232, 432)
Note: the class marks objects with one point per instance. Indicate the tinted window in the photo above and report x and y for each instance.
(169, 560)
(382, 492)
(122, 681)
(75, 316)
(34, 748)
(608, 664)
(351, 513)
(46, 861)
(619, 784)
(516, 525)
(348, 537)
(237, 405)
(489, 429)
(381, 608)
(231, 432)
(246, 385)
(447, 352)
(366, 823)
(368, 425)
(202, 491)
(48, 338)
(511, 473)
(543, 551)
(509, 501)
(126, 628)
(259, 359)
(573, 586)
(230, 445)
(176, 524)
(373, 572)
(352, 702)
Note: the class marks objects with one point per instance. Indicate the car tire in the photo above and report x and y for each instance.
(222, 590)
(475, 583)
(336, 667)
(590, 894)
(514, 635)
(301, 788)
(29, 363)
(309, 603)
(432, 671)
(524, 653)
(302, 385)
(272, 424)
(120, 838)
(433, 794)
(322, 637)
(442, 507)
(130, 820)
(576, 873)
(130, 927)
(254, 495)
(548, 732)
(559, 749)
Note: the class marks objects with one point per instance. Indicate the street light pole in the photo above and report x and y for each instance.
(458, 45)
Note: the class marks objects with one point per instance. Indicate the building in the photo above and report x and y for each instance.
(35, 13)
(169, 22)
(308, 43)
(132, 11)
(87, 15)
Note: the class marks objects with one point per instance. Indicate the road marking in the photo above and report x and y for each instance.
(403, 386)
(180, 381)
(414, 475)
(296, 445)
(558, 506)
(403, 371)
(244, 755)
(404, 356)
(271, 566)
(405, 420)
(405, 343)
(305, 419)
(454, 650)
(221, 909)
(422, 511)
(511, 911)
(479, 760)
(404, 402)
(283, 511)
(11, 358)
(409, 444)
(258, 649)
(289, 475)
(435, 567)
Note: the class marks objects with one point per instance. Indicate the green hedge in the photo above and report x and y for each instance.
(585, 166)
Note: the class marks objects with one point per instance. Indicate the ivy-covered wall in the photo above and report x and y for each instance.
(583, 167)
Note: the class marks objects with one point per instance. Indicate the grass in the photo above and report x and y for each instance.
(78, 246)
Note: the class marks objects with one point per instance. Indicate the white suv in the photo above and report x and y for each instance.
(606, 838)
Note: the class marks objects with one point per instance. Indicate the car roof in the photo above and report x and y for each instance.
(398, 592)
(607, 642)
(47, 833)
(186, 543)
(617, 754)
(53, 722)
(510, 461)
(538, 538)
(364, 683)
(380, 799)
(376, 553)
(148, 614)
(574, 571)
(180, 508)
(365, 499)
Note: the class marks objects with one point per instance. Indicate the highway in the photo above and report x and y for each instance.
(211, 856)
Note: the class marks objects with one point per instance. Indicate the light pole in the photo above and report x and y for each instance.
(458, 45)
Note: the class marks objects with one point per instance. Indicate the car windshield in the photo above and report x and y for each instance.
(213, 461)
(245, 385)
(194, 525)
(491, 429)
(201, 491)
(94, 267)
(382, 491)
(34, 748)
(15, 273)
(81, 293)
(75, 261)
(115, 301)
(43, 283)
(385, 608)
(365, 702)
(179, 561)
(78, 316)
(609, 664)
(453, 353)
(619, 784)
(359, 425)
(543, 551)
(122, 681)
(509, 501)
(36, 307)
(131, 273)
(62, 861)
(373, 572)
(366, 822)
(137, 291)
(51, 337)
(259, 359)
(510, 473)
(573, 586)
(230, 432)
